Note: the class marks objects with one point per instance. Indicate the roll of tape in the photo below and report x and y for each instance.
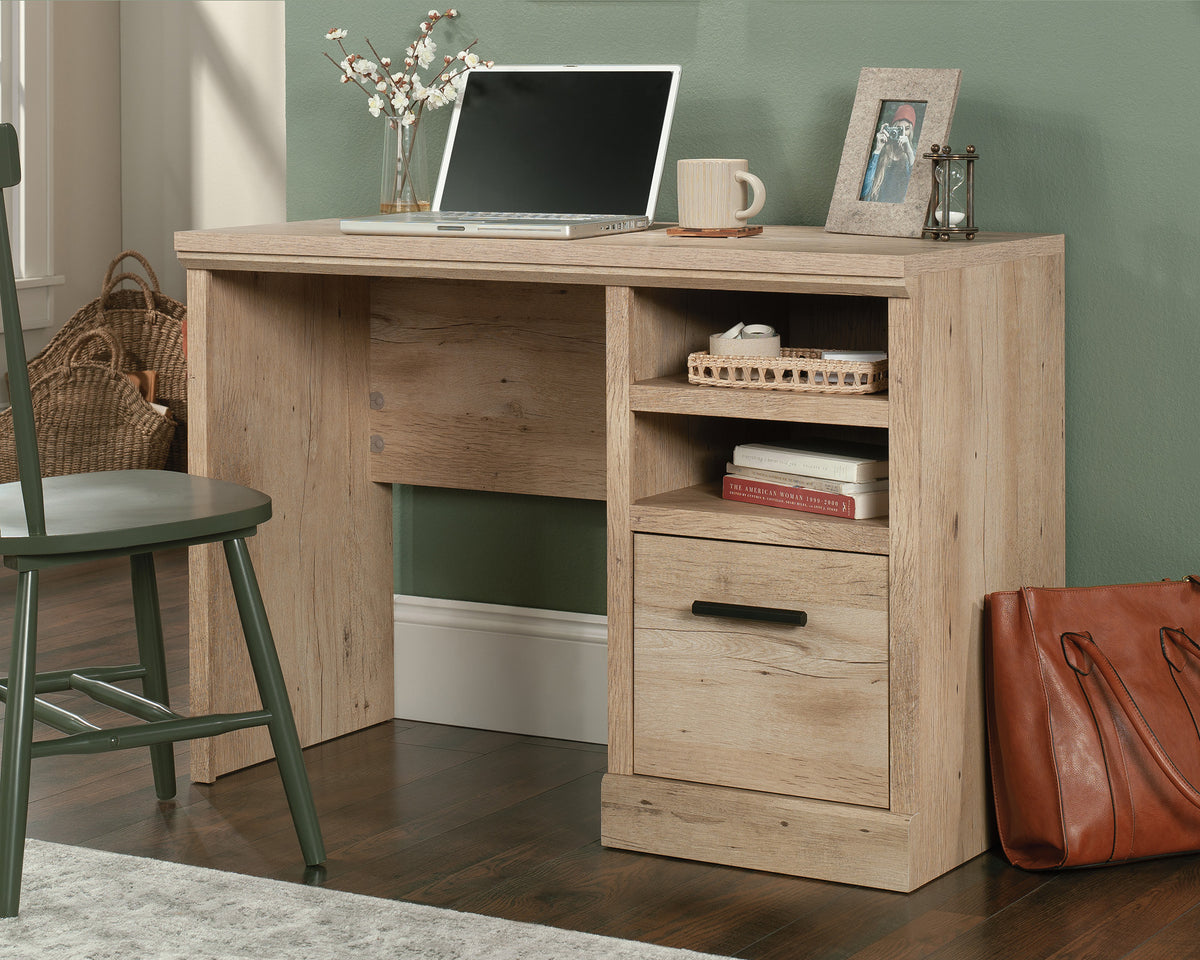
(744, 346)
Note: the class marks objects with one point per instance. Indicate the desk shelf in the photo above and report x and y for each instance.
(700, 511)
(673, 394)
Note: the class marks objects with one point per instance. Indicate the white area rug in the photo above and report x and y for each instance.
(81, 903)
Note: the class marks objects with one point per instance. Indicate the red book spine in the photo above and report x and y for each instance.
(793, 498)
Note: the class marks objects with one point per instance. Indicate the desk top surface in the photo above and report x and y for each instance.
(776, 257)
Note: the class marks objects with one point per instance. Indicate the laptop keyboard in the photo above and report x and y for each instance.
(473, 215)
(571, 217)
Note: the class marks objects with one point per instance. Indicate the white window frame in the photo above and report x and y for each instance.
(26, 94)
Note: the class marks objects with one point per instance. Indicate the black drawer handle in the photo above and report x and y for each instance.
(707, 608)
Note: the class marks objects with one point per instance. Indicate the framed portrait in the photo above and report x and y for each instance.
(883, 185)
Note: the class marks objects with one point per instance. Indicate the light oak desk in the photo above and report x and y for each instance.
(324, 367)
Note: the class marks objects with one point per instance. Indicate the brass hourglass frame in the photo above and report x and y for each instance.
(944, 230)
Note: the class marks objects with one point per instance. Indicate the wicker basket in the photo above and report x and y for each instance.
(90, 416)
(150, 327)
(798, 369)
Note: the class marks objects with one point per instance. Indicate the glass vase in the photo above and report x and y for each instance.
(405, 186)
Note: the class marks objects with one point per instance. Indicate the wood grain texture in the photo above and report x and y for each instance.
(488, 386)
(674, 394)
(977, 499)
(701, 510)
(802, 259)
(938, 770)
(295, 428)
(619, 309)
(839, 322)
(766, 831)
(796, 710)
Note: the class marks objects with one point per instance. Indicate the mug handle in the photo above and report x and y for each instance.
(760, 194)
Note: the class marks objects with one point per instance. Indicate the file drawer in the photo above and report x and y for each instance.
(782, 708)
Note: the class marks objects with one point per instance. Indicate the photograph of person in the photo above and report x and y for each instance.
(893, 152)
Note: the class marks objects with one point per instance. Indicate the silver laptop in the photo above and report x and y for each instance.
(551, 152)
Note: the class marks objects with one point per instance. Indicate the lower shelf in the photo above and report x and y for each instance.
(701, 511)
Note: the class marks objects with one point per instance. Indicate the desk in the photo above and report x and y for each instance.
(324, 367)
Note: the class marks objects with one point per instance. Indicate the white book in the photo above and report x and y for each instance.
(859, 355)
(829, 460)
(808, 483)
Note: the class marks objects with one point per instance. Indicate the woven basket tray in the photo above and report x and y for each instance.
(89, 416)
(799, 369)
(149, 327)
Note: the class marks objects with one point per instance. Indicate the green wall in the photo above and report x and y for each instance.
(1083, 115)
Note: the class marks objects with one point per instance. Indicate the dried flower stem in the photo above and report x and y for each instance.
(402, 98)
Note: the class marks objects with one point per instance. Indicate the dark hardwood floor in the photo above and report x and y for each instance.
(507, 825)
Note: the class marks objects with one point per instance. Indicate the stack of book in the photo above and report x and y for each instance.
(837, 479)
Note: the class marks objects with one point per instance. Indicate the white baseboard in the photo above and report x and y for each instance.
(516, 669)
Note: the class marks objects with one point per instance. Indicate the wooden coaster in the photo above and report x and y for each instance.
(729, 232)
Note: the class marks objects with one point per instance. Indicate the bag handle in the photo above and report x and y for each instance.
(1176, 645)
(90, 346)
(124, 254)
(1175, 642)
(1080, 647)
(111, 282)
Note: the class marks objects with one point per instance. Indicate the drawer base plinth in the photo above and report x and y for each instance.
(760, 831)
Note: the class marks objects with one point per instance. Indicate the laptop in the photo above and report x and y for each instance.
(547, 152)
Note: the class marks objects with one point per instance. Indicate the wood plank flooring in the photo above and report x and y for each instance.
(507, 825)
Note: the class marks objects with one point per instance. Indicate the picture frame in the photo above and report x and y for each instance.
(883, 185)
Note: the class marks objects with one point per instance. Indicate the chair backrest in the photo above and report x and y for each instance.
(24, 431)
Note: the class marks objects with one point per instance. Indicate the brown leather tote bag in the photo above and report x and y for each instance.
(1093, 702)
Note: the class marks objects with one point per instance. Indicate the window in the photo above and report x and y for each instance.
(26, 71)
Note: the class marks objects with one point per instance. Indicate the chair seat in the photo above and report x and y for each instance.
(120, 509)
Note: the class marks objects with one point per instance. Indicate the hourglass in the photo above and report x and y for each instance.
(951, 210)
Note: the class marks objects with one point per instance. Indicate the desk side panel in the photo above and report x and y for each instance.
(277, 381)
(976, 364)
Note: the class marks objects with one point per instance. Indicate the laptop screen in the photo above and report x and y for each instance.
(559, 140)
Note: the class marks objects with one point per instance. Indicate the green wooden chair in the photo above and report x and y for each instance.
(62, 520)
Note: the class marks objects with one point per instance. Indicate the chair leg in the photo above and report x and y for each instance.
(273, 690)
(148, 617)
(18, 741)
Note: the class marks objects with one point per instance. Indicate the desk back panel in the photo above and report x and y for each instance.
(489, 385)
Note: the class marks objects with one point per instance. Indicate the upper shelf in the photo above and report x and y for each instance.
(674, 394)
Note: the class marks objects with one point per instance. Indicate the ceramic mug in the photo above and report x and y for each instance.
(713, 194)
